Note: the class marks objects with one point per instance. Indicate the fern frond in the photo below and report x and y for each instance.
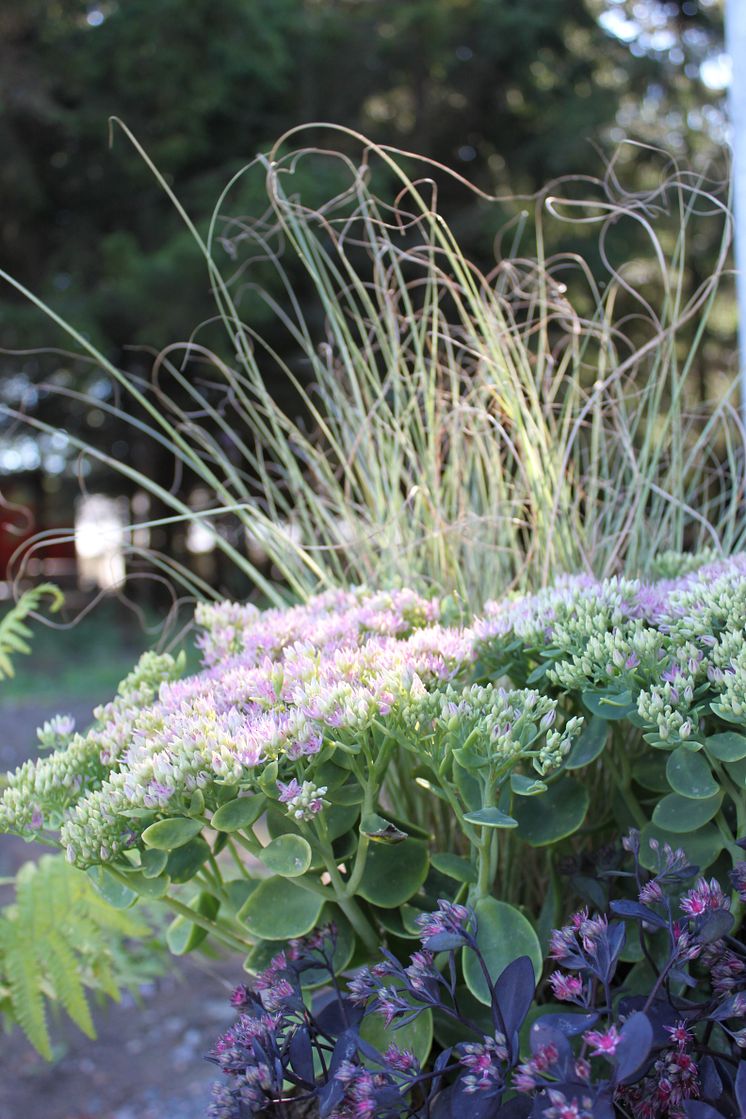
(14, 634)
(57, 939)
(24, 979)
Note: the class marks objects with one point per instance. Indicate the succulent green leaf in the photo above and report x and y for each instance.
(110, 888)
(727, 746)
(239, 813)
(490, 818)
(526, 786)
(153, 862)
(689, 775)
(393, 874)
(468, 786)
(287, 855)
(650, 772)
(280, 910)
(182, 935)
(454, 866)
(263, 951)
(184, 862)
(416, 1036)
(152, 888)
(557, 813)
(590, 745)
(503, 933)
(679, 814)
(375, 827)
(171, 833)
(608, 704)
(701, 847)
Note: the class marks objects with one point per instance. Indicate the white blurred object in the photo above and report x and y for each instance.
(100, 532)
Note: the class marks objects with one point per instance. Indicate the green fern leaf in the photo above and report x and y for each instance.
(57, 939)
(59, 962)
(14, 634)
(24, 979)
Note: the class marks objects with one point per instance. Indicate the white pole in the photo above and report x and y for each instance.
(735, 40)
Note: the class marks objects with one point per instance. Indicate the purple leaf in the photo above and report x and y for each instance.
(635, 1040)
(540, 1036)
(513, 994)
(696, 1109)
(638, 912)
(301, 1055)
(741, 1088)
(568, 1023)
(712, 1085)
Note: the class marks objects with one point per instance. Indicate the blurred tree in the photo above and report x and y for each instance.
(510, 93)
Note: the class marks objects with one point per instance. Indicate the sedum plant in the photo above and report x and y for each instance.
(659, 672)
(265, 781)
(359, 756)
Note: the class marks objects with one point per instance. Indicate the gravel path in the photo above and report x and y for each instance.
(147, 1060)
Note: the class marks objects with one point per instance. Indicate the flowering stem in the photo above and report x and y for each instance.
(343, 891)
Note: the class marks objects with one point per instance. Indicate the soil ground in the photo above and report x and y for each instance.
(147, 1061)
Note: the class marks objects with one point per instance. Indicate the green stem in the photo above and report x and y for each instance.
(218, 930)
(623, 784)
(237, 859)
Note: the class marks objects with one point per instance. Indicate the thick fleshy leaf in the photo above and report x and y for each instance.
(608, 704)
(737, 772)
(152, 888)
(288, 855)
(352, 793)
(393, 874)
(153, 862)
(237, 890)
(280, 910)
(524, 786)
(454, 866)
(712, 1085)
(416, 1036)
(689, 775)
(392, 921)
(650, 771)
(171, 833)
(264, 951)
(590, 745)
(490, 818)
(184, 862)
(714, 925)
(468, 786)
(503, 934)
(383, 831)
(239, 813)
(182, 935)
(555, 814)
(726, 747)
(701, 847)
(681, 815)
(116, 893)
